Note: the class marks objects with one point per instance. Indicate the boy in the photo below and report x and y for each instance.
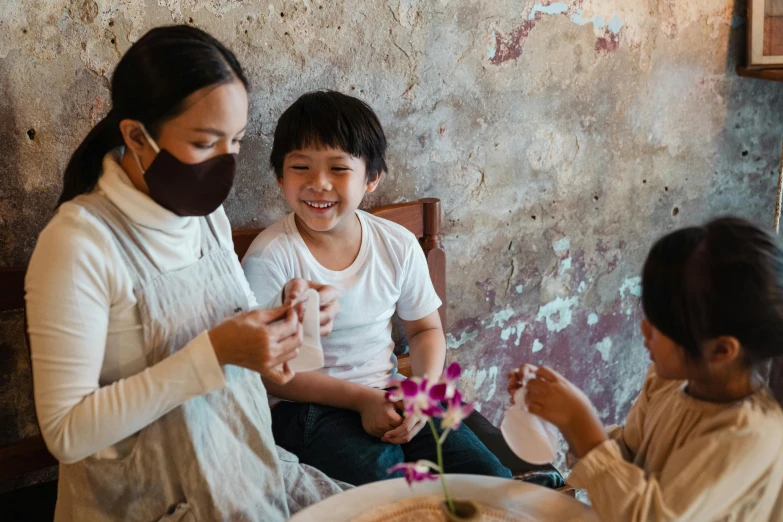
(328, 152)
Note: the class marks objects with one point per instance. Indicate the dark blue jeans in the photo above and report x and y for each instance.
(333, 440)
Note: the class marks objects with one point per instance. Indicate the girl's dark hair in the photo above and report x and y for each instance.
(335, 120)
(722, 279)
(150, 84)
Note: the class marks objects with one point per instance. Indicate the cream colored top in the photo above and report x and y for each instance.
(678, 458)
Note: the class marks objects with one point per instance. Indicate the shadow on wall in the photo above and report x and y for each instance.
(17, 411)
(17, 417)
(759, 151)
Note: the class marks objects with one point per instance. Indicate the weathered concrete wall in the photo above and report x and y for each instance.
(562, 137)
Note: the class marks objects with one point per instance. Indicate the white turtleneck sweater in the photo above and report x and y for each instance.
(93, 388)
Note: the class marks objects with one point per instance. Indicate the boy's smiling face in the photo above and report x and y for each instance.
(323, 186)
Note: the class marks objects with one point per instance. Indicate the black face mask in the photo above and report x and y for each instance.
(188, 189)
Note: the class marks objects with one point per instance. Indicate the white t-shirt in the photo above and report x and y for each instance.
(389, 274)
(93, 387)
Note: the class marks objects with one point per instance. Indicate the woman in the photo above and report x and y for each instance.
(146, 356)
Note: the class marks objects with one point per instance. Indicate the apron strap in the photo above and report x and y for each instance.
(141, 265)
(209, 237)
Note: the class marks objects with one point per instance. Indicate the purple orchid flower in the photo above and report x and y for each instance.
(456, 412)
(416, 398)
(394, 393)
(450, 376)
(423, 400)
(416, 471)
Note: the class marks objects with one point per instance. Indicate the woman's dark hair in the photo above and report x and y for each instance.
(722, 279)
(150, 83)
(335, 120)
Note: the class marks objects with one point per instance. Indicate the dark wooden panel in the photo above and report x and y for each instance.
(12, 288)
(25, 456)
(242, 240)
(404, 365)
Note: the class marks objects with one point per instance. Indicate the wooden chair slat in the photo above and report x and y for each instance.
(409, 215)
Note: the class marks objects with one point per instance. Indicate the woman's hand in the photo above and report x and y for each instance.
(261, 340)
(553, 398)
(327, 299)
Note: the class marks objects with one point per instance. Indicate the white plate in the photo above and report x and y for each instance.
(531, 438)
(515, 496)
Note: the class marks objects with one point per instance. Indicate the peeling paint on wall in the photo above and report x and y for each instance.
(561, 245)
(550, 9)
(493, 379)
(608, 19)
(464, 337)
(557, 313)
(631, 286)
(500, 318)
(604, 347)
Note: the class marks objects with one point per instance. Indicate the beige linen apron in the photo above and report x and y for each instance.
(213, 458)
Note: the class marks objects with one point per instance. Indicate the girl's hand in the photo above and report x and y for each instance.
(553, 398)
(515, 379)
(327, 298)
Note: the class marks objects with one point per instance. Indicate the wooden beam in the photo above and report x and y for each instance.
(775, 75)
(25, 456)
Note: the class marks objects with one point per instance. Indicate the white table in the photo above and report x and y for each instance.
(516, 496)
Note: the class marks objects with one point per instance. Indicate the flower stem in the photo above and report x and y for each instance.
(449, 501)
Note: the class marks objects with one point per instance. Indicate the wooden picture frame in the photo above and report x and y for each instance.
(765, 33)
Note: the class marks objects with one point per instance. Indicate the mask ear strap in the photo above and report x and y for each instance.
(149, 138)
(138, 162)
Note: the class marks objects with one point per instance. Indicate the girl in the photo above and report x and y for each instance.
(704, 440)
(146, 356)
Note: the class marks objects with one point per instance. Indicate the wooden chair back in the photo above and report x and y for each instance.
(421, 217)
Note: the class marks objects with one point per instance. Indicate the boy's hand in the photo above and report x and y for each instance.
(327, 297)
(553, 398)
(405, 432)
(379, 416)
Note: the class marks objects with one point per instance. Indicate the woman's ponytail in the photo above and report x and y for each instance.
(85, 166)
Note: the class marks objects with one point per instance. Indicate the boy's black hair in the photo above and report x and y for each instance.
(722, 279)
(335, 120)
